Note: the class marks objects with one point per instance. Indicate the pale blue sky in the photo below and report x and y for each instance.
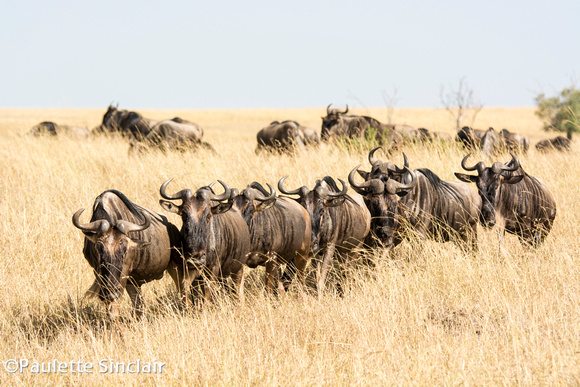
(249, 54)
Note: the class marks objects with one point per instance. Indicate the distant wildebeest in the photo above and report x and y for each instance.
(469, 137)
(491, 143)
(125, 122)
(176, 133)
(127, 246)
(515, 142)
(280, 232)
(215, 239)
(428, 136)
(338, 124)
(286, 136)
(340, 223)
(403, 202)
(51, 129)
(559, 143)
(513, 200)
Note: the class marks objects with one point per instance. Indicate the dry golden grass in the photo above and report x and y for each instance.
(435, 315)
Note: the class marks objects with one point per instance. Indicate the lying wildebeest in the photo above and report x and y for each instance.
(515, 142)
(338, 124)
(517, 202)
(280, 232)
(176, 133)
(401, 200)
(428, 136)
(340, 223)
(491, 143)
(215, 239)
(127, 246)
(125, 122)
(559, 143)
(469, 137)
(52, 129)
(285, 136)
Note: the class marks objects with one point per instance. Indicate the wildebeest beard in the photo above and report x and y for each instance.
(110, 269)
(384, 220)
(314, 205)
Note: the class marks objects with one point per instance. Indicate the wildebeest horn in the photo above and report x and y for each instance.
(328, 109)
(184, 194)
(479, 166)
(394, 186)
(337, 194)
(400, 171)
(372, 159)
(516, 163)
(272, 194)
(125, 226)
(346, 110)
(375, 186)
(281, 188)
(98, 226)
(224, 196)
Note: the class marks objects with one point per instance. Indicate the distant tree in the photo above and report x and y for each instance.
(460, 102)
(562, 112)
(391, 100)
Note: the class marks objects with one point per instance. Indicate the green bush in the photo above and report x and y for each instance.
(562, 112)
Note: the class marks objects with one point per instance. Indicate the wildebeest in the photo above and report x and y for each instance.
(176, 133)
(340, 223)
(513, 200)
(285, 136)
(491, 143)
(52, 129)
(215, 239)
(469, 137)
(429, 136)
(127, 246)
(125, 122)
(338, 124)
(559, 143)
(280, 232)
(515, 142)
(401, 200)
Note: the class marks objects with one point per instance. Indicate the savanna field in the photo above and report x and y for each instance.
(432, 315)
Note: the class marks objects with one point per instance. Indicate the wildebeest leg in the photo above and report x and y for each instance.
(288, 274)
(300, 263)
(136, 299)
(238, 278)
(178, 276)
(323, 267)
(272, 274)
(113, 310)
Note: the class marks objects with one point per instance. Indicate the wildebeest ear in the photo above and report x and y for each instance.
(265, 205)
(513, 179)
(466, 178)
(169, 206)
(334, 202)
(364, 174)
(222, 207)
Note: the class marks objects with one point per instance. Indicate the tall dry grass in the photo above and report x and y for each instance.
(433, 315)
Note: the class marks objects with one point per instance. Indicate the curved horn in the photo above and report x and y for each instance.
(479, 166)
(374, 186)
(281, 188)
(400, 171)
(359, 188)
(184, 194)
(272, 194)
(328, 109)
(98, 226)
(224, 196)
(337, 194)
(346, 110)
(516, 163)
(372, 159)
(125, 226)
(394, 186)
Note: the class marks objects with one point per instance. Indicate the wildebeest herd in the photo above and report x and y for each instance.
(225, 232)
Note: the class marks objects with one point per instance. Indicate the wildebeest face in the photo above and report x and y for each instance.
(489, 182)
(331, 124)
(253, 199)
(113, 249)
(318, 203)
(196, 212)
